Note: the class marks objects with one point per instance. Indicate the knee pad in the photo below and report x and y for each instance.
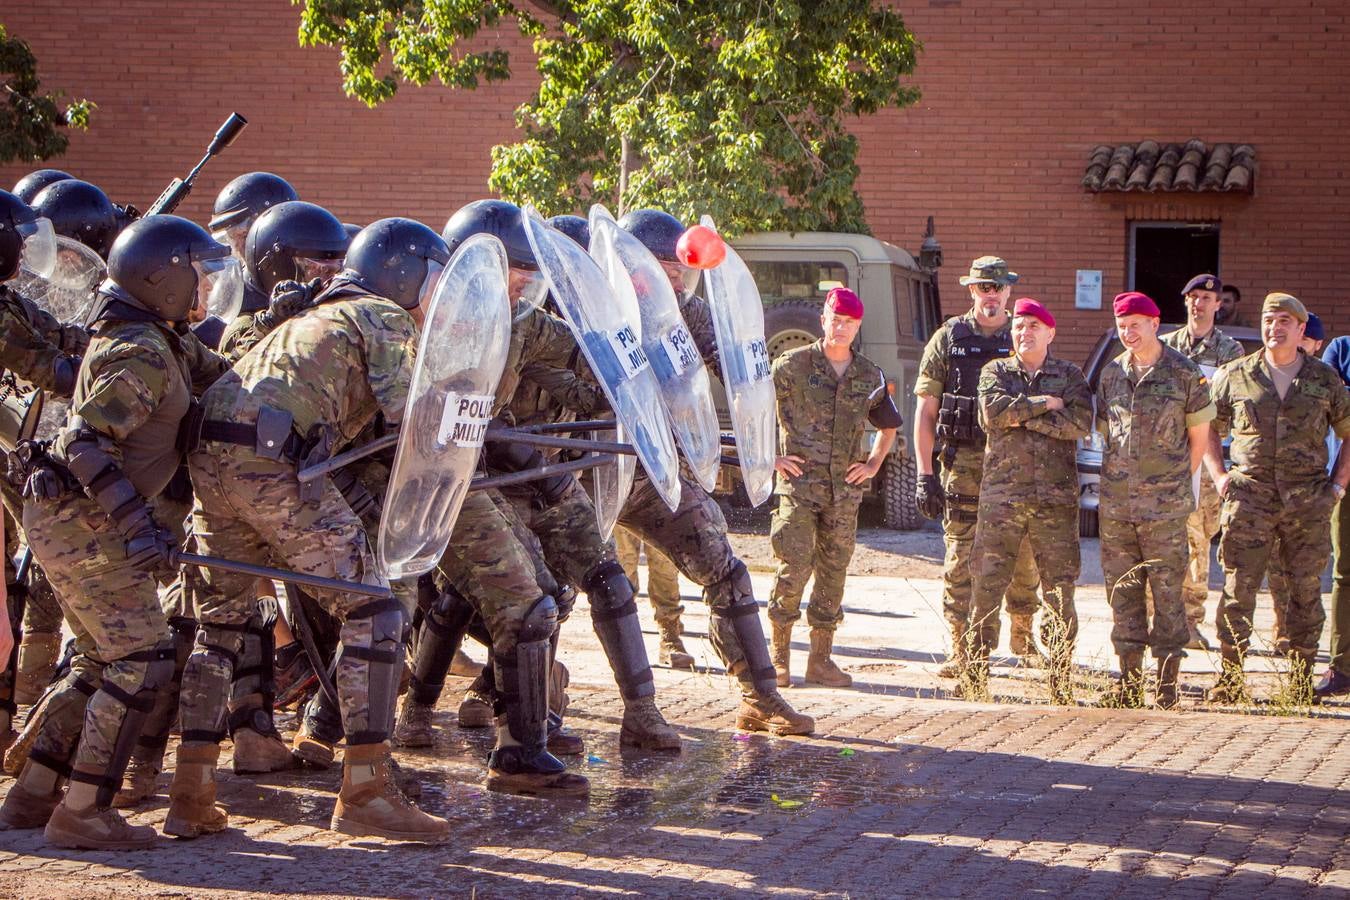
(609, 590)
(735, 589)
(540, 621)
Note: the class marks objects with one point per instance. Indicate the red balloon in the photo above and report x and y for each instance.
(701, 248)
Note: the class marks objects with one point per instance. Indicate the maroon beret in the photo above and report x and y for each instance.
(844, 303)
(1133, 303)
(1029, 307)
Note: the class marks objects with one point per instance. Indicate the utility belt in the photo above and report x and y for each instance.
(272, 436)
(959, 421)
(962, 508)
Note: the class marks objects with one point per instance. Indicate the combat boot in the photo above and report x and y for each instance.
(312, 748)
(256, 753)
(140, 782)
(414, 724)
(782, 651)
(645, 728)
(463, 665)
(1195, 638)
(192, 794)
(1301, 664)
(79, 823)
(672, 652)
(956, 662)
(25, 807)
(1169, 671)
(370, 803)
(1231, 688)
(768, 711)
(475, 710)
(1128, 690)
(562, 742)
(1023, 637)
(820, 669)
(38, 655)
(516, 769)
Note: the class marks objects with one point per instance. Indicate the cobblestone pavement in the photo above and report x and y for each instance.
(900, 793)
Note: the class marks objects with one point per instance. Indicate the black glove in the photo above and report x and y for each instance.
(289, 298)
(44, 484)
(152, 549)
(928, 496)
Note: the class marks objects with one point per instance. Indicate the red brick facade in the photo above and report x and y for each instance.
(1015, 97)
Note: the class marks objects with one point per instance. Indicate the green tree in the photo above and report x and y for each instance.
(737, 108)
(32, 126)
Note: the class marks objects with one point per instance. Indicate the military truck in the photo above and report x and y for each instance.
(794, 272)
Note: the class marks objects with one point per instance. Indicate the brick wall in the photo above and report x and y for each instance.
(1015, 95)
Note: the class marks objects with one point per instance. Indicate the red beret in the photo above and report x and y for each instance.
(1029, 307)
(1133, 303)
(844, 303)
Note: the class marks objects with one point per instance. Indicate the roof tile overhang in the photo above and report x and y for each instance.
(1150, 166)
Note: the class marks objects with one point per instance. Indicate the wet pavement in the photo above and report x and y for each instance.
(900, 793)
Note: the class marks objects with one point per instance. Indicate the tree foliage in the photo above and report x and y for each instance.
(737, 108)
(32, 125)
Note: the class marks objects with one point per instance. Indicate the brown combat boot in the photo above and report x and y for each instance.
(79, 823)
(140, 782)
(1169, 672)
(645, 728)
(1301, 663)
(770, 712)
(192, 795)
(256, 753)
(782, 651)
(463, 665)
(671, 651)
(414, 724)
(27, 808)
(1022, 641)
(1128, 690)
(312, 749)
(370, 803)
(956, 662)
(820, 669)
(38, 655)
(1231, 688)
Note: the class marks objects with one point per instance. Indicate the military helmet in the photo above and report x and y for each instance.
(575, 227)
(17, 220)
(157, 262)
(396, 258)
(27, 187)
(502, 220)
(79, 211)
(249, 196)
(286, 237)
(658, 231)
(352, 231)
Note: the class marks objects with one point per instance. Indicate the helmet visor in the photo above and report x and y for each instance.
(39, 247)
(233, 237)
(222, 280)
(428, 289)
(526, 289)
(310, 267)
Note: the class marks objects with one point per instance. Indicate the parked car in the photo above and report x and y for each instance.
(1090, 448)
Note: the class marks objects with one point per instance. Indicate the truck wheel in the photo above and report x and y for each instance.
(898, 480)
(1087, 523)
(791, 324)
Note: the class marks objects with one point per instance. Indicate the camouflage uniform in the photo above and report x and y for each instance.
(962, 470)
(331, 370)
(1210, 352)
(1277, 485)
(1029, 489)
(1146, 495)
(821, 418)
(663, 579)
(133, 389)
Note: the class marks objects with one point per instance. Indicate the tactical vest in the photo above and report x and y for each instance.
(958, 417)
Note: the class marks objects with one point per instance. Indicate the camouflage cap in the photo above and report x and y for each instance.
(1278, 302)
(989, 270)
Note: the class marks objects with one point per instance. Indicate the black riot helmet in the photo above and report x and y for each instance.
(575, 227)
(352, 231)
(27, 187)
(247, 197)
(158, 262)
(293, 241)
(18, 221)
(79, 211)
(502, 220)
(658, 231)
(397, 259)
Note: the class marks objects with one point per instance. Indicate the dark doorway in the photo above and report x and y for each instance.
(1164, 256)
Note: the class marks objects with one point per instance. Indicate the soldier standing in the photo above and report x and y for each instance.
(947, 419)
(1204, 344)
(1034, 407)
(1335, 681)
(1154, 409)
(92, 522)
(826, 396)
(1279, 403)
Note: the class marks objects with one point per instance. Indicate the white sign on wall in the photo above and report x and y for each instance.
(1088, 289)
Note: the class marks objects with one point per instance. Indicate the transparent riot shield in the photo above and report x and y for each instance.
(685, 386)
(610, 485)
(608, 329)
(738, 320)
(460, 358)
(68, 293)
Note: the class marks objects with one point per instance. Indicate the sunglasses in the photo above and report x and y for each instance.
(985, 287)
